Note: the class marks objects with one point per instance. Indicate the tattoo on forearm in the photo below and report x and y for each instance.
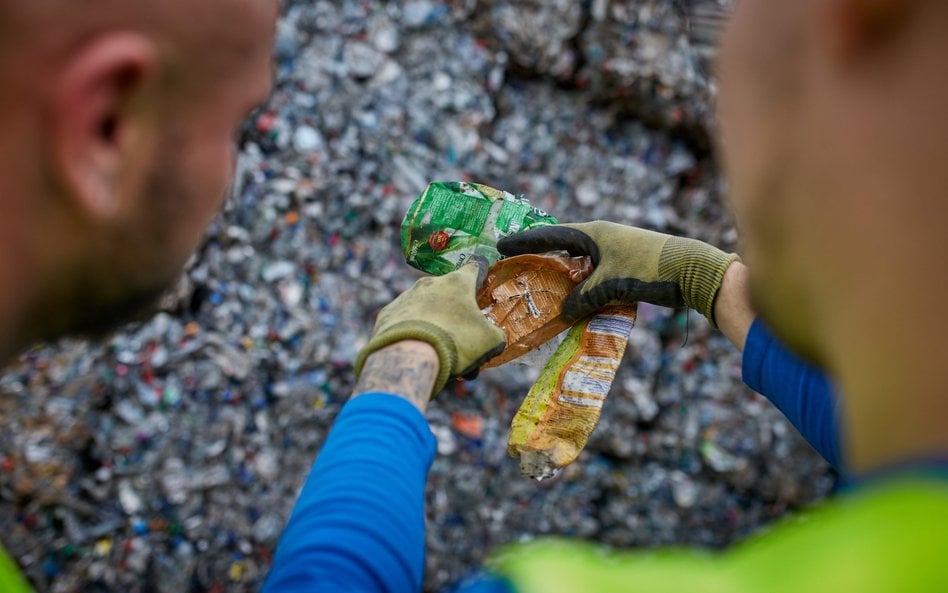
(401, 372)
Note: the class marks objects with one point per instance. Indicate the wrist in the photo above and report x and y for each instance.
(732, 306)
(408, 369)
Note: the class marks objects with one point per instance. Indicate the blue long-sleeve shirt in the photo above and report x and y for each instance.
(358, 525)
(803, 393)
(359, 522)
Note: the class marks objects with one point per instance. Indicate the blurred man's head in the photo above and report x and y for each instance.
(117, 124)
(836, 142)
(835, 138)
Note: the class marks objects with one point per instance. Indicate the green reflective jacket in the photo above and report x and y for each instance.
(11, 581)
(891, 538)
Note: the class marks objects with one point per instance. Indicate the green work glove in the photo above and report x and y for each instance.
(443, 312)
(631, 265)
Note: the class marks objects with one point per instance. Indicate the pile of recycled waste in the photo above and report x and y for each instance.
(167, 457)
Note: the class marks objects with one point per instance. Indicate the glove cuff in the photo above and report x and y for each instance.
(440, 340)
(698, 268)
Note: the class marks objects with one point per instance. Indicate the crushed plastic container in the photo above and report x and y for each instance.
(453, 221)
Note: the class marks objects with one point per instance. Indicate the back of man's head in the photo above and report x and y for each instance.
(836, 141)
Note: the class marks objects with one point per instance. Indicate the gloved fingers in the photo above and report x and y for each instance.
(550, 238)
(627, 291)
(482, 266)
(664, 294)
(472, 273)
(579, 304)
(476, 339)
(472, 370)
(590, 295)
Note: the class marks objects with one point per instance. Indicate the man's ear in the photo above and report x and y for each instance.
(860, 27)
(99, 102)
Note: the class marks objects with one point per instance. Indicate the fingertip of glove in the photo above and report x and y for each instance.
(474, 368)
(516, 244)
(578, 305)
(535, 240)
(499, 348)
(472, 372)
(482, 268)
(559, 237)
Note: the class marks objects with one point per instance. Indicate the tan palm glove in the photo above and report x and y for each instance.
(631, 265)
(441, 311)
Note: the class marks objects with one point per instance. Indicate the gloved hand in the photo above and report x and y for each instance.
(631, 265)
(443, 312)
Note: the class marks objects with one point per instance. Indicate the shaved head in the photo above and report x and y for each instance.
(118, 120)
(189, 35)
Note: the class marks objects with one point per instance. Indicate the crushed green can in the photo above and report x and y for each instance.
(454, 220)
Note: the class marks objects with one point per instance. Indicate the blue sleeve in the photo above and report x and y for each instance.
(484, 581)
(359, 523)
(800, 391)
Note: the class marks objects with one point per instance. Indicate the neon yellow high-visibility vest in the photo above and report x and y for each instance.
(11, 580)
(891, 538)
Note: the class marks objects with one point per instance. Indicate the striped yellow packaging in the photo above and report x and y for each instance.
(562, 408)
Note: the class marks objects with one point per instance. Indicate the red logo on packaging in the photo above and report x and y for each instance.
(438, 240)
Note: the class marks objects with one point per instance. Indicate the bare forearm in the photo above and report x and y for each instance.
(732, 307)
(407, 369)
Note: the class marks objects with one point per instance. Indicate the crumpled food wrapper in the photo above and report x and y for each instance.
(524, 295)
(561, 410)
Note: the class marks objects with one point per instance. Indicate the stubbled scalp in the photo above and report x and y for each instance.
(40, 32)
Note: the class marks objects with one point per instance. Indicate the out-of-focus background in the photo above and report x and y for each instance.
(168, 457)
